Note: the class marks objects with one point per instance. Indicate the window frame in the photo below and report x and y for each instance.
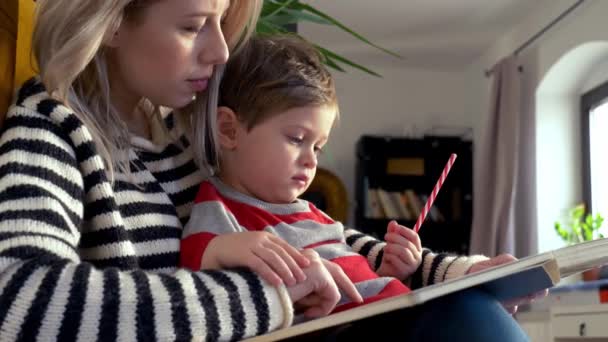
(589, 100)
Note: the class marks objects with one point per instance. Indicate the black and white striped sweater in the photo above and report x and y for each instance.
(83, 260)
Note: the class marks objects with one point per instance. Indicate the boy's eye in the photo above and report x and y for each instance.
(296, 140)
(191, 29)
(318, 150)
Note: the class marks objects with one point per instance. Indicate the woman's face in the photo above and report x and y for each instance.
(168, 54)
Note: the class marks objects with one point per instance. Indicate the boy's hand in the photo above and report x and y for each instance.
(271, 257)
(318, 295)
(402, 253)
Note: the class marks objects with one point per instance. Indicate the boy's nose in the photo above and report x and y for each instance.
(310, 159)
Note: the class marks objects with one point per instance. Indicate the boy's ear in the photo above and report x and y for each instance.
(227, 125)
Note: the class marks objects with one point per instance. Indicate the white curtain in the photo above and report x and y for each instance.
(504, 204)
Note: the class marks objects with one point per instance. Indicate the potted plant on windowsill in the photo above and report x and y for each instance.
(580, 227)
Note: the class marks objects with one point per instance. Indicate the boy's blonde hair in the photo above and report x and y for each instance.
(68, 46)
(270, 75)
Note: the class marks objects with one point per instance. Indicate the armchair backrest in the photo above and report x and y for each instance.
(16, 60)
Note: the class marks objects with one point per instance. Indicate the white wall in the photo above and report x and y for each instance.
(405, 100)
(597, 78)
(558, 68)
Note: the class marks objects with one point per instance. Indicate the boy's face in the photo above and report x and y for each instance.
(277, 159)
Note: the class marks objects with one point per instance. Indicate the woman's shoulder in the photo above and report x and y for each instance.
(36, 112)
(33, 98)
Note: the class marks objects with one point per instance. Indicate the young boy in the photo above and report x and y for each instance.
(277, 108)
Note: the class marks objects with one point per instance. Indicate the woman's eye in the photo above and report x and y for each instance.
(194, 27)
(318, 149)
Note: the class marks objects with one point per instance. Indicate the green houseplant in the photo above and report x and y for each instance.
(580, 227)
(277, 15)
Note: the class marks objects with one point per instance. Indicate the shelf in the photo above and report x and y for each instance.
(388, 166)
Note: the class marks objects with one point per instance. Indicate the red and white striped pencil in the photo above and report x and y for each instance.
(431, 199)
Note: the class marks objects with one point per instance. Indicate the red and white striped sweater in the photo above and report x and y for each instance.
(219, 209)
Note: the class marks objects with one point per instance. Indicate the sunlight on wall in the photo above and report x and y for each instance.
(558, 139)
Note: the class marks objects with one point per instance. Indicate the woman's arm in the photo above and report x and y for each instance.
(48, 292)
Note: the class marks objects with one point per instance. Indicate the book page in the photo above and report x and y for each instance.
(582, 256)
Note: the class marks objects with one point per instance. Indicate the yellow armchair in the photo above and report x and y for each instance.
(16, 60)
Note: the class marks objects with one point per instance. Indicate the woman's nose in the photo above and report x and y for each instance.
(215, 50)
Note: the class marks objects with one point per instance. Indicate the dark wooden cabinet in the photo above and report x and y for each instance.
(396, 166)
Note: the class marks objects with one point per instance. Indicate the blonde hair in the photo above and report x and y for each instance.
(268, 76)
(68, 45)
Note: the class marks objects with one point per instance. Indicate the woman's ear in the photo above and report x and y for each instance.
(112, 38)
(227, 126)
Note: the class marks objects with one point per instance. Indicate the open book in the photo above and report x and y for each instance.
(509, 281)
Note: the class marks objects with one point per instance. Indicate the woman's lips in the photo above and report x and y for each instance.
(198, 84)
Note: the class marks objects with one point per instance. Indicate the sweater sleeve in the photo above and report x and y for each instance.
(47, 292)
(209, 218)
(434, 268)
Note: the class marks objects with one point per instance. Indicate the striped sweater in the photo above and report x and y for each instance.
(219, 209)
(81, 259)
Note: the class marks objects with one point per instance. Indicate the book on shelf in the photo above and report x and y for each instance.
(386, 201)
(375, 208)
(404, 211)
(413, 202)
(509, 281)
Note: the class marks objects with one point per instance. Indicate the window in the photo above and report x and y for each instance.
(595, 147)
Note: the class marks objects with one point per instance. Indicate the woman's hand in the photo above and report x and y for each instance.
(510, 306)
(402, 253)
(271, 257)
(320, 292)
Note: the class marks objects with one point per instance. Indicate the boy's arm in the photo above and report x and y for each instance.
(209, 242)
(434, 268)
(207, 220)
(366, 245)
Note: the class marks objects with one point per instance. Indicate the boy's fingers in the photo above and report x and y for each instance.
(395, 262)
(260, 267)
(276, 263)
(401, 241)
(403, 254)
(410, 235)
(288, 259)
(297, 255)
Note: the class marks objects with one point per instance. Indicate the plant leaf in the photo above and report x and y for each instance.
(276, 14)
(561, 232)
(578, 212)
(337, 23)
(274, 8)
(313, 18)
(335, 56)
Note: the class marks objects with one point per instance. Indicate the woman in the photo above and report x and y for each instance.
(96, 184)
(88, 243)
